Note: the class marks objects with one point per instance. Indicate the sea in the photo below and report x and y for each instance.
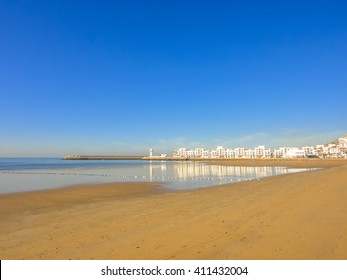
(30, 174)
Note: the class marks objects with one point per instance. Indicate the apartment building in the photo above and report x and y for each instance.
(337, 149)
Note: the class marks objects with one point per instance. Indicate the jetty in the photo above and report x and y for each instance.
(82, 157)
(154, 158)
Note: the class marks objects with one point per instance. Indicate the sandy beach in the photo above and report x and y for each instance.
(292, 216)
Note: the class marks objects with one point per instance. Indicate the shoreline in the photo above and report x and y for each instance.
(64, 181)
(223, 161)
(292, 216)
(295, 163)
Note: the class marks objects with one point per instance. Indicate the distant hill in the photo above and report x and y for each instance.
(337, 140)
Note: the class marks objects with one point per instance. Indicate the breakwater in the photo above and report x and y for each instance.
(76, 157)
(157, 158)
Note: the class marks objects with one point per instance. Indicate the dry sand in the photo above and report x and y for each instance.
(294, 216)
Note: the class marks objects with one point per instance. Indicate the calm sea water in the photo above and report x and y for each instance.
(28, 174)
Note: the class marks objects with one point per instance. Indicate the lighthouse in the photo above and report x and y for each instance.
(150, 152)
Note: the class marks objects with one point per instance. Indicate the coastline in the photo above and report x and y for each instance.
(295, 163)
(292, 216)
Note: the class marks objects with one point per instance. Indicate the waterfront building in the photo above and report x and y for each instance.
(198, 152)
(220, 152)
(249, 153)
(261, 152)
(190, 153)
(239, 152)
(281, 152)
(277, 153)
(214, 154)
(294, 153)
(205, 153)
(342, 142)
(181, 152)
(229, 153)
(267, 153)
(309, 151)
(337, 149)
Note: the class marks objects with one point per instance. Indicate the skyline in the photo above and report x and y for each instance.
(110, 77)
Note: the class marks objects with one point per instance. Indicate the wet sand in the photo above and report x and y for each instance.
(293, 216)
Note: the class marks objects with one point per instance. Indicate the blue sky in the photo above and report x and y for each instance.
(119, 77)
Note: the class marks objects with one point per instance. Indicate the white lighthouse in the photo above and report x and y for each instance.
(150, 152)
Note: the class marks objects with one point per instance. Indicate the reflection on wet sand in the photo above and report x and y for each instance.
(175, 175)
(196, 170)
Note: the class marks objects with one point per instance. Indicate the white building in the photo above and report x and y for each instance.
(220, 151)
(281, 152)
(342, 144)
(309, 151)
(261, 152)
(249, 153)
(190, 154)
(320, 149)
(181, 152)
(336, 149)
(214, 154)
(198, 152)
(294, 153)
(205, 153)
(229, 153)
(267, 153)
(277, 154)
(239, 152)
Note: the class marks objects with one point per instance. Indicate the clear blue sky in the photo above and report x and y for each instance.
(119, 77)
